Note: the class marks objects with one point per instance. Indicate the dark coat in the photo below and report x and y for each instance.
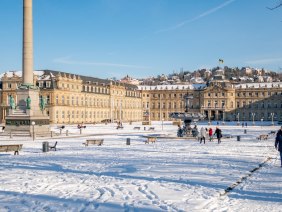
(217, 132)
(278, 140)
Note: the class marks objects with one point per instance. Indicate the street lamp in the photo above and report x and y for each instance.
(33, 133)
(272, 115)
(238, 122)
(253, 115)
(261, 122)
(223, 123)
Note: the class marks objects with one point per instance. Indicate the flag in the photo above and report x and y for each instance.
(220, 61)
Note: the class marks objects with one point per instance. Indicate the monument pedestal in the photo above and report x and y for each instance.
(21, 118)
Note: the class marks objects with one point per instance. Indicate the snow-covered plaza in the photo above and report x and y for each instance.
(169, 175)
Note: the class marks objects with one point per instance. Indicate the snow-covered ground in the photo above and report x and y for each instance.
(170, 175)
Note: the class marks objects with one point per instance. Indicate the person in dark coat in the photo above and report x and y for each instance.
(278, 143)
(218, 134)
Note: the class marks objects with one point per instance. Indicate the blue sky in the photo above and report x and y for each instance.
(113, 38)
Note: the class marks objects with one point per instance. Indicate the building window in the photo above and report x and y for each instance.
(63, 100)
(48, 99)
(48, 84)
(63, 114)
(57, 100)
(41, 84)
(223, 104)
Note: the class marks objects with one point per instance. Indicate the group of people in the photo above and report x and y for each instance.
(204, 132)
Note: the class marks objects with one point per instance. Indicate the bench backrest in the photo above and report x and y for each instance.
(95, 141)
(12, 147)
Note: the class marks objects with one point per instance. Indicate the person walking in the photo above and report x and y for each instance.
(218, 134)
(203, 135)
(278, 143)
(210, 134)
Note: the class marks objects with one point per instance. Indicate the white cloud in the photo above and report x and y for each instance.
(204, 14)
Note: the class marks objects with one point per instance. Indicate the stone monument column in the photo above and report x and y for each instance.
(27, 43)
(27, 115)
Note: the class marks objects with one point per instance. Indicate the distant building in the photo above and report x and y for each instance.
(130, 80)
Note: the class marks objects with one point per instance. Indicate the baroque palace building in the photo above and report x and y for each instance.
(78, 99)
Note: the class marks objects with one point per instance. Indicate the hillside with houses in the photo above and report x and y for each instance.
(235, 75)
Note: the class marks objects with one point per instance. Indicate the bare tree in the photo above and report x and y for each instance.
(279, 4)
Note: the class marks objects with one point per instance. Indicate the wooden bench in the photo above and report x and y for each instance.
(263, 137)
(151, 129)
(151, 139)
(98, 142)
(53, 147)
(11, 147)
(136, 128)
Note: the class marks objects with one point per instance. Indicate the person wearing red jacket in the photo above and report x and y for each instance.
(210, 134)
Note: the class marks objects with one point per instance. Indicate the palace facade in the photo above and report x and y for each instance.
(79, 99)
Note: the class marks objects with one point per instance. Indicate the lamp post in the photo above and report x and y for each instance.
(33, 133)
(272, 115)
(253, 115)
(261, 122)
(223, 123)
(238, 122)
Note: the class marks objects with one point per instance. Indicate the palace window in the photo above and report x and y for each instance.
(63, 100)
(57, 100)
(41, 84)
(223, 104)
(48, 84)
(63, 114)
(48, 99)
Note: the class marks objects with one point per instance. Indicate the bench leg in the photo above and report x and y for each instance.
(16, 153)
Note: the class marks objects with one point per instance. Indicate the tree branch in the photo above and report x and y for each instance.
(275, 7)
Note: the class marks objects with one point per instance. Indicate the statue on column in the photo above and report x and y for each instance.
(28, 102)
(42, 103)
(12, 102)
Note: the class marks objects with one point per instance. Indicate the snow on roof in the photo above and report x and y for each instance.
(19, 73)
(260, 85)
(172, 87)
